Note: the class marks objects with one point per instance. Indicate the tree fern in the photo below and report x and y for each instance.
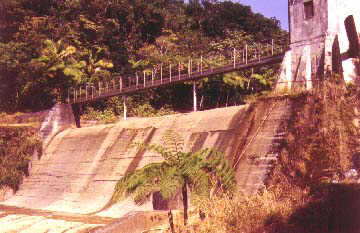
(200, 172)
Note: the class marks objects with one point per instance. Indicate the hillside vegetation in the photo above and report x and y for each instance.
(17, 146)
(48, 46)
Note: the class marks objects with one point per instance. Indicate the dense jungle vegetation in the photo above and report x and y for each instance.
(47, 46)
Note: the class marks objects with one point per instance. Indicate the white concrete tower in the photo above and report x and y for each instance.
(314, 26)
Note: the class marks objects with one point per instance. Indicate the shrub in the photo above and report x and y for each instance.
(17, 145)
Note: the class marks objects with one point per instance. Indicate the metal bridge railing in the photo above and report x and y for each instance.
(230, 60)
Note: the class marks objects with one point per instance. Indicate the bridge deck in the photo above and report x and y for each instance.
(122, 87)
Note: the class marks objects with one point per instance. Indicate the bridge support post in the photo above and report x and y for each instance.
(194, 97)
(124, 106)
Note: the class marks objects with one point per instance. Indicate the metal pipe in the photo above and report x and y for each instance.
(152, 76)
(194, 97)
(234, 57)
(144, 78)
(125, 108)
(137, 80)
(161, 74)
(121, 83)
(246, 54)
(170, 71)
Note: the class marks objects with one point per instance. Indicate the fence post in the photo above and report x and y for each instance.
(201, 65)
(86, 93)
(272, 47)
(99, 88)
(179, 71)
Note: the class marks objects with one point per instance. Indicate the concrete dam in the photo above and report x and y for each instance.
(71, 183)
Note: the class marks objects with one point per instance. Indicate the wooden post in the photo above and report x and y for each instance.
(179, 71)
(161, 73)
(194, 97)
(170, 71)
(99, 88)
(125, 108)
(201, 64)
(272, 47)
(86, 93)
(74, 95)
(234, 57)
(246, 54)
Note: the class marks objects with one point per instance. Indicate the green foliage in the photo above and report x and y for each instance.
(48, 46)
(17, 145)
(106, 116)
(200, 171)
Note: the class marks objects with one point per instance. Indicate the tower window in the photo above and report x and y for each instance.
(309, 9)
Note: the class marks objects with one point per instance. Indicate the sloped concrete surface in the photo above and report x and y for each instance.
(80, 167)
(260, 155)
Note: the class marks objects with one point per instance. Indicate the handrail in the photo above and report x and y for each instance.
(196, 68)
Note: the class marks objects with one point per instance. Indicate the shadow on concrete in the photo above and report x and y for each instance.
(140, 154)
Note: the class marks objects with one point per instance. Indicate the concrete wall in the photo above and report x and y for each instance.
(304, 30)
(80, 167)
(312, 42)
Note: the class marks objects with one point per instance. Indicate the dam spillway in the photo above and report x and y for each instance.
(80, 167)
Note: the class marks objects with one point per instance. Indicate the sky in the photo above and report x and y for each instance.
(270, 8)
